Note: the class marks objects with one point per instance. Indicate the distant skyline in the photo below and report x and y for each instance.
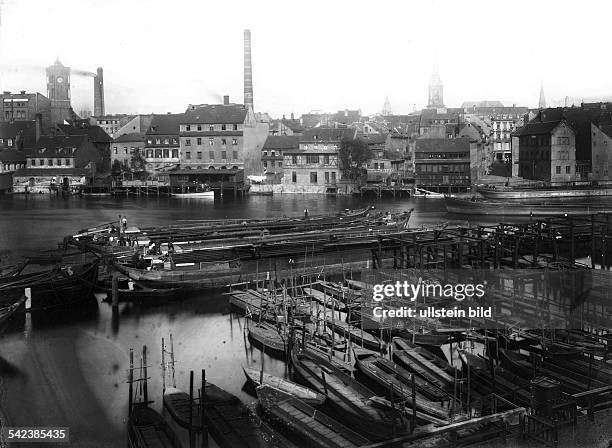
(160, 56)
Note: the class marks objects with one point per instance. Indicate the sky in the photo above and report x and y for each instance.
(327, 55)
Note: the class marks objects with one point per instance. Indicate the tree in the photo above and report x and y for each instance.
(353, 155)
(117, 167)
(137, 162)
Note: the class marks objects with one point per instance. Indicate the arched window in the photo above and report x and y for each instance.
(223, 167)
(234, 167)
(211, 167)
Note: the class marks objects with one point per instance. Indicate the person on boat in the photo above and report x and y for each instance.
(305, 213)
(124, 223)
(170, 247)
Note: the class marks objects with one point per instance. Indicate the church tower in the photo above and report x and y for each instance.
(436, 90)
(542, 101)
(386, 110)
(58, 91)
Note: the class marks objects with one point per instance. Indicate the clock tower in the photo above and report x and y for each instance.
(58, 91)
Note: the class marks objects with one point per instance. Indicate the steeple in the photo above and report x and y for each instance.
(386, 110)
(436, 89)
(542, 102)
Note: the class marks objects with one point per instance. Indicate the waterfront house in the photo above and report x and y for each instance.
(547, 151)
(272, 155)
(221, 137)
(162, 145)
(59, 161)
(124, 147)
(444, 164)
(313, 166)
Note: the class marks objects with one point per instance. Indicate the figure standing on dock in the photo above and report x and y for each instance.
(124, 223)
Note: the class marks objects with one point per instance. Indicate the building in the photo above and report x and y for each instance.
(444, 164)
(59, 161)
(95, 134)
(547, 151)
(436, 91)
(162, 144)
(17, 135)
(602, 151)
(136, 125)
(286, 126)
(272, 155)
(58, 92)
(222, 136)
(314, 166)
(124, 147)
(112, 124)
(24, 106)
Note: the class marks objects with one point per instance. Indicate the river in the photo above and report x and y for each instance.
(70, 369)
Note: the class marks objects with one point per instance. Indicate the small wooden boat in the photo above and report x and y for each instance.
(147, 429)
(423, 363)
(325, 300)
(349, 398)
(422, 193)
(9, 304)
(267, 338)
(501, 208)
(428, 411)
(177, 403)
(289, 387)
(358, 336)
(313, 427)
(199, 194)
(233, 425)
(142, 294)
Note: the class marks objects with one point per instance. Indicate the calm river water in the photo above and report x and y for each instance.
(71, 370)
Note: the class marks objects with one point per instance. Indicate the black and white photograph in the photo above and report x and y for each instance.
(318, 224)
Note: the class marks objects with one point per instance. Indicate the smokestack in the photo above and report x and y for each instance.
(99, 93)
(248, 71)
(226, 99)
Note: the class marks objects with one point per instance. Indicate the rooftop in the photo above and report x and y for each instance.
(281, 142)
(216, 114)
(167, 124)
(135, 137)
(326, 135)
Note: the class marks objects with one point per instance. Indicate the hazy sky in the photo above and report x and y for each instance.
(159, 56)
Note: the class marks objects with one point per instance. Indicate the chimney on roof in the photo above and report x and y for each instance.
(226, 100)
(292, 116)
(99, 93)
(248, 71)
(38, 126)
(23, 92)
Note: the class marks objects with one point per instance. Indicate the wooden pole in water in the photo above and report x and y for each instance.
(144, 384)
(131, 382)
(115, 293)
(204, 428)
(163, 366)
(191, 409)
(413, 423)
(263, 349)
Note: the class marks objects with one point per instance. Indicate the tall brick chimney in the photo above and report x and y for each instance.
(248, 71)
(38, 126)
(99, 93)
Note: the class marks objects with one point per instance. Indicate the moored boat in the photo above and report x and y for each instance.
(310, 425)
(534, 192)
(147, 429)
(500, 208)
(305, 394)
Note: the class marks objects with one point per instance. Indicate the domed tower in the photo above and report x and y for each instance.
(58, 91)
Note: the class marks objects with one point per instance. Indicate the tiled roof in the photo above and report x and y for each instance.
(135, 137)
(326, 134)
(94, 132)
(216, 114)
(442, 145)
(281, 142)
(27, 129)
(539, 127)
(374, 139)
(11, 155)
(58, 146)
(167, 124)
(43, 172)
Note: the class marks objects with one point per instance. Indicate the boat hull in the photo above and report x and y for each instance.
(498, 208)
(543, 193)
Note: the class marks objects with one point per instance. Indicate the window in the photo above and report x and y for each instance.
(234, 141)
(313, 177)
(223, 141)
(199, 141)
(158, 141)
(199, 127)
(50, 162)
(558, 169)
(211, 155)
(33, 162)
(293, 177)
(211, 142)
(188, 155)
(294, 159)
(235, 127)
(188, 128)
(188, 142)
(326, 159)
(199, 155)
(9, 141)
(223, 155)
(568, 169)
(59, 162)
(125, 149)
(175, 153)
(115, 149)
(265, 164)
(333, 177)
(312, 158)
(280, 164)
(234, 155)
(382, 166)
(563, 140)
(211, 128)
(375, 166)
(223, 127)
(326, 177)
